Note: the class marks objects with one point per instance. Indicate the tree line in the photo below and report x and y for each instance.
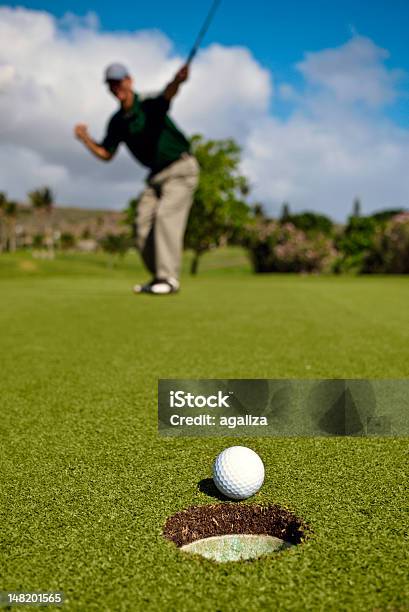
(293, 242)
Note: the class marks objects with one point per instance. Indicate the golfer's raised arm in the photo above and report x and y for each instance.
(172, 89)
(81, 132)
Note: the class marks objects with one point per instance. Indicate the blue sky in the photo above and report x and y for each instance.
(316, 93)
(278, 33)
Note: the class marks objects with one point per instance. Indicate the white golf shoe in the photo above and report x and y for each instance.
(158, 287)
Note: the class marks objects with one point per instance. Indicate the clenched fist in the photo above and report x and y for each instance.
(81, 131)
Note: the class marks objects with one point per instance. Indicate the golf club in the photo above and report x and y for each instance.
(203, 31)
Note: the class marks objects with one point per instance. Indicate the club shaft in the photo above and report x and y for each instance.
(203, 30)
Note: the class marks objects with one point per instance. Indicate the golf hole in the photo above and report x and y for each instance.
(234, 532)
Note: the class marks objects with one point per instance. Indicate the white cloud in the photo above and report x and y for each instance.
(7, 76)
(354, 72)
(335, 145)
(228, 93)
(18, 163)
(72, 22)
(324, 167)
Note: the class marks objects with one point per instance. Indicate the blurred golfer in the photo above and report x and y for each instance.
(154, 140)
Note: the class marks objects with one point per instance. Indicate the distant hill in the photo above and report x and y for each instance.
(81, 222)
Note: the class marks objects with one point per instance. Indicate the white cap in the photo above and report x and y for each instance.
(116, 72)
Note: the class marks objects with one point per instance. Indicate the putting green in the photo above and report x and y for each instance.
(87, 485)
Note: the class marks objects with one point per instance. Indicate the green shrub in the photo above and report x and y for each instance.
(390, 250)
(116, 244)
(67, 241)
(357, 237)
(38, 241)
(312, 223)
(385, 215)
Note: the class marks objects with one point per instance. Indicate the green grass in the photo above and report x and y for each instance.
(86, 483)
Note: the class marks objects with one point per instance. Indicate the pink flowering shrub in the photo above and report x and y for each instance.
(276, 247)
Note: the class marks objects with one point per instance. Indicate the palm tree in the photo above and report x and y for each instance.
(42, 199)
(3, 203)
(42, 202)
(11, 216)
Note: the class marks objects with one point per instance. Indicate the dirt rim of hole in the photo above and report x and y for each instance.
(199, 522)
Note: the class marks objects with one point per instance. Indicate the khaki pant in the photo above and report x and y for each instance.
(162, 214)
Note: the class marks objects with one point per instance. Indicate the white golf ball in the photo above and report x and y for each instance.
(238, 472)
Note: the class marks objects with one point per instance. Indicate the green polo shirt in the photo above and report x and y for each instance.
(148, 132)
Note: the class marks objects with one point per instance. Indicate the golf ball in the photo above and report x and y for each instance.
(238, 472)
